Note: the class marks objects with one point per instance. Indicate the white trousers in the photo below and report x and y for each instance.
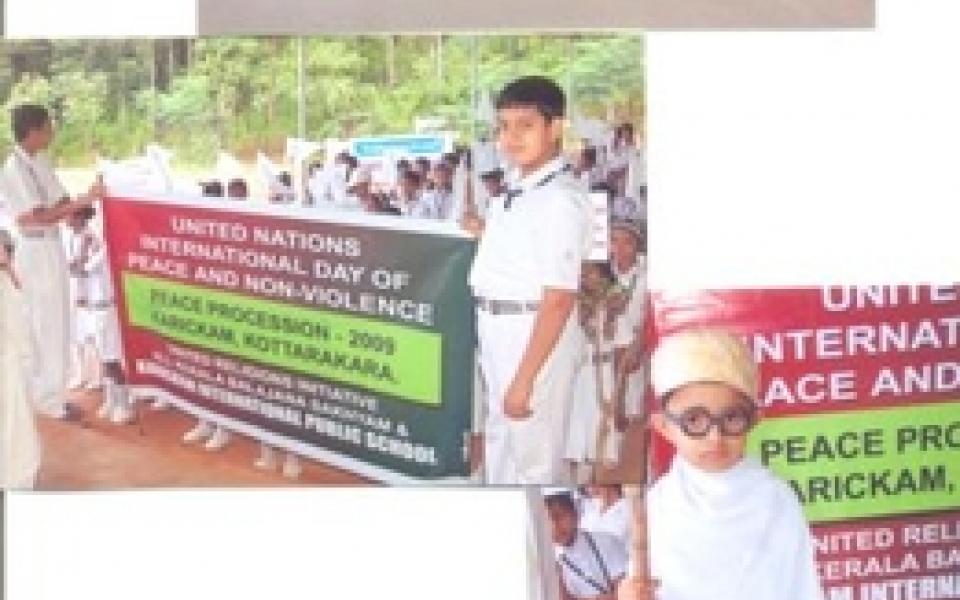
(19, 441)
(43, 270)
(529, 451)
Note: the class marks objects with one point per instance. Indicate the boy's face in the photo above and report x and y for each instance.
(527, 138)
(492, 185)
(408, 187)
(591, 279)
(712, 452)
(563, 523)
(40, 138)
(623, 247)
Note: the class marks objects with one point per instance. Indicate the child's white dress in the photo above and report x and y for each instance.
(586, 414)
(19, 441)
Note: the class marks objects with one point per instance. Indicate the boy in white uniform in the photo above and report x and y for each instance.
(81, 247)
(37, 202)
(591, 564)
(720, 526)
(525, 279)
(628, 255)
(19, 441)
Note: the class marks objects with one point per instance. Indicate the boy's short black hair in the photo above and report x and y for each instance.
(590, 154)
(562, 500)
(237, 185)
(541, 93)
(27, 117)
(212, 189)
(411, 176)
(495, 174)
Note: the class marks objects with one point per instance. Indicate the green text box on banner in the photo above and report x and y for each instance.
(867, 463)
(383, 357)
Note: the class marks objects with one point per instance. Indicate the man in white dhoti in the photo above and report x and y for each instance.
(19, 442)
(720, 526)
(37, 202)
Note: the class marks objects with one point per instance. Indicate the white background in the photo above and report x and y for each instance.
(775, 159)
(792, 159)
(323, 544)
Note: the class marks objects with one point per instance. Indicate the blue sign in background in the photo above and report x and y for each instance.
(414, 145)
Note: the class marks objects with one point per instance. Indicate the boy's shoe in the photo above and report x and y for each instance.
(267, 461)
(103, 413)
(218, 440)
(201, 430)
(291, 466)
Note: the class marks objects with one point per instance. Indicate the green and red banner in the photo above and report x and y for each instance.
(860, 395)
(347, 338)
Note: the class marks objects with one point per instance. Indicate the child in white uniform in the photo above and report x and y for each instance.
(628, 259)
(720, 526)
(594, 436)
(525, 279)
(82, 245)
(591, 564)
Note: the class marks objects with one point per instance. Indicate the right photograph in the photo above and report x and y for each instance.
(802, 445)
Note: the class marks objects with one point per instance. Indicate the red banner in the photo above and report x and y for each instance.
(860, 396)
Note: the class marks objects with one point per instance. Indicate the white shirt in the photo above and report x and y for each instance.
(539, 242)
(600, 565)
(424, 206)
(615, 520)
(735, 535)
(29, 182)
(94, 285)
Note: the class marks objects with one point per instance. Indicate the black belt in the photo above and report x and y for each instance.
(505, 307)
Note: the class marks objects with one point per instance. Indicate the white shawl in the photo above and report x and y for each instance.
(736, 535)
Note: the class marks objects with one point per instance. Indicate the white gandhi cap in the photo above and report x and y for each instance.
(701, 356)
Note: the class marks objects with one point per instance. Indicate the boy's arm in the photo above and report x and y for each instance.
(51, 215)
(556, 306)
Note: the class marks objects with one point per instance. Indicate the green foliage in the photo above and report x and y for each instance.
(112, 97)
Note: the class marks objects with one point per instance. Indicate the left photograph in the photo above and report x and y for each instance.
(373, 259)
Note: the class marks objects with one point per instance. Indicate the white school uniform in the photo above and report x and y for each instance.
(735, 535)
(630, 324)
(592, 565)
(101, 307)
(586, 414)
(79, 286)
(539, 242)
(19, 442)
(424, 206)
(614, 520)
(30, 182)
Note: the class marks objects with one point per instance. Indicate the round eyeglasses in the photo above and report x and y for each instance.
(697, 421)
